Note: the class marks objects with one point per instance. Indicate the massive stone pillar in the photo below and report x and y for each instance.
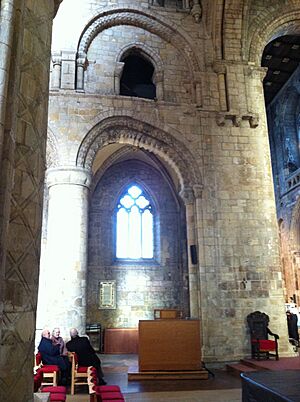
(24, 77)
(62, 291)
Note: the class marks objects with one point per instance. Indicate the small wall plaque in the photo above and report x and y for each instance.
(107, 294)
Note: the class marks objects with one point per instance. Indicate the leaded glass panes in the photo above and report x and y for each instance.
(134, 225)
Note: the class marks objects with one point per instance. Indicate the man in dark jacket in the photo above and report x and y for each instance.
(85, 353)
(51, 355)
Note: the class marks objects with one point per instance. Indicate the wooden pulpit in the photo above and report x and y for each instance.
(169, 345)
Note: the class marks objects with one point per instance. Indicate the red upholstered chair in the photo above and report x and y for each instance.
(106, 393)
(37, 380)
(100, 389)
(81, 375)
(58, 397)
(111, 396)
(50, 372)
(57, 394)
(261, 346)
(60, 389)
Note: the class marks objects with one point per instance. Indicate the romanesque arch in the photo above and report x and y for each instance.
(268, 26)
(149, 22)
(52, 154)
(127, 130)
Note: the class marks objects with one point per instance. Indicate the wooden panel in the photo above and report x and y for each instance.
(121, 340)
(169, 345)
(166, 313)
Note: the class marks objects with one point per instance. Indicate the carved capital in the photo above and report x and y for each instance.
(68, 175)
(187, 195)
(219, 67)
(118, 68)
(198, 189)
(196, 11)
(81, 60)
(255, 72)
(56, 58)
(158, 76)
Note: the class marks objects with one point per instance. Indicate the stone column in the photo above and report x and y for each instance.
(81, 62)
(188, 197)
(117, 76)
(68, 69)
(56, 71)
(220, 70)
(158, 80)
(62, 289)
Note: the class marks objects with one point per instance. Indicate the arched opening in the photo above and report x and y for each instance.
(281, 90)
(149, 272)
(136, 79)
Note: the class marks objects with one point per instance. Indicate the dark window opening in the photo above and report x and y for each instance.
(136, 79)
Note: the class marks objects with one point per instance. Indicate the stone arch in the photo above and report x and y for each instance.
(52, 154)
(147, 21)
(151, 56)
(145, 50)
(268, 27)
(127, 130)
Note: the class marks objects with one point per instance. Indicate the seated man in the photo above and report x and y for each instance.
(85, 353)
(51, 355)
(58, 340)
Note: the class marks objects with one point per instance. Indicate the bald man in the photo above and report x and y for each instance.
(85, 353)
(51, 355)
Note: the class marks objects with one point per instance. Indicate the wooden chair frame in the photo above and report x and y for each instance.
(259, 331)
(77, 378)
(53, 376)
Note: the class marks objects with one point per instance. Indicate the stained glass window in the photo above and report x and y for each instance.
(134, 225)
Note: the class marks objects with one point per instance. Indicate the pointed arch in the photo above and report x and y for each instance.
(145, 50)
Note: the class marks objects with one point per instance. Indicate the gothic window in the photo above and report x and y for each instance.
(137, 76)
(134, 223)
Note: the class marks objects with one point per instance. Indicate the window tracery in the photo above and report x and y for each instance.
(134, 225)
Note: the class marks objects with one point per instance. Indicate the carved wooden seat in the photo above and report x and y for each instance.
(261, 345)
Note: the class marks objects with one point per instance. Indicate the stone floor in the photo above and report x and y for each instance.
(219, 387)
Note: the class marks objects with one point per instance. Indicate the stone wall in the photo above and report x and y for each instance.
(141, 286)
(211, 137)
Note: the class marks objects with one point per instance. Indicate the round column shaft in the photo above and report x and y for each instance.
(62, 289)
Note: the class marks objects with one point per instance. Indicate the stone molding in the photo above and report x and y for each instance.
(268, 25)
(190, 195)
(139, 19)
(68, 175)
(52, 154)
(146, 50)
(237, 118)
(187, 195)
(196, 11)
(127, 130)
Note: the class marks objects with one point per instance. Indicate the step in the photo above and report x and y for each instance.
(168, 375)
(237, 368)
(256, 364)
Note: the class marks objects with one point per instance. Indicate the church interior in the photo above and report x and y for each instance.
(149, 163)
